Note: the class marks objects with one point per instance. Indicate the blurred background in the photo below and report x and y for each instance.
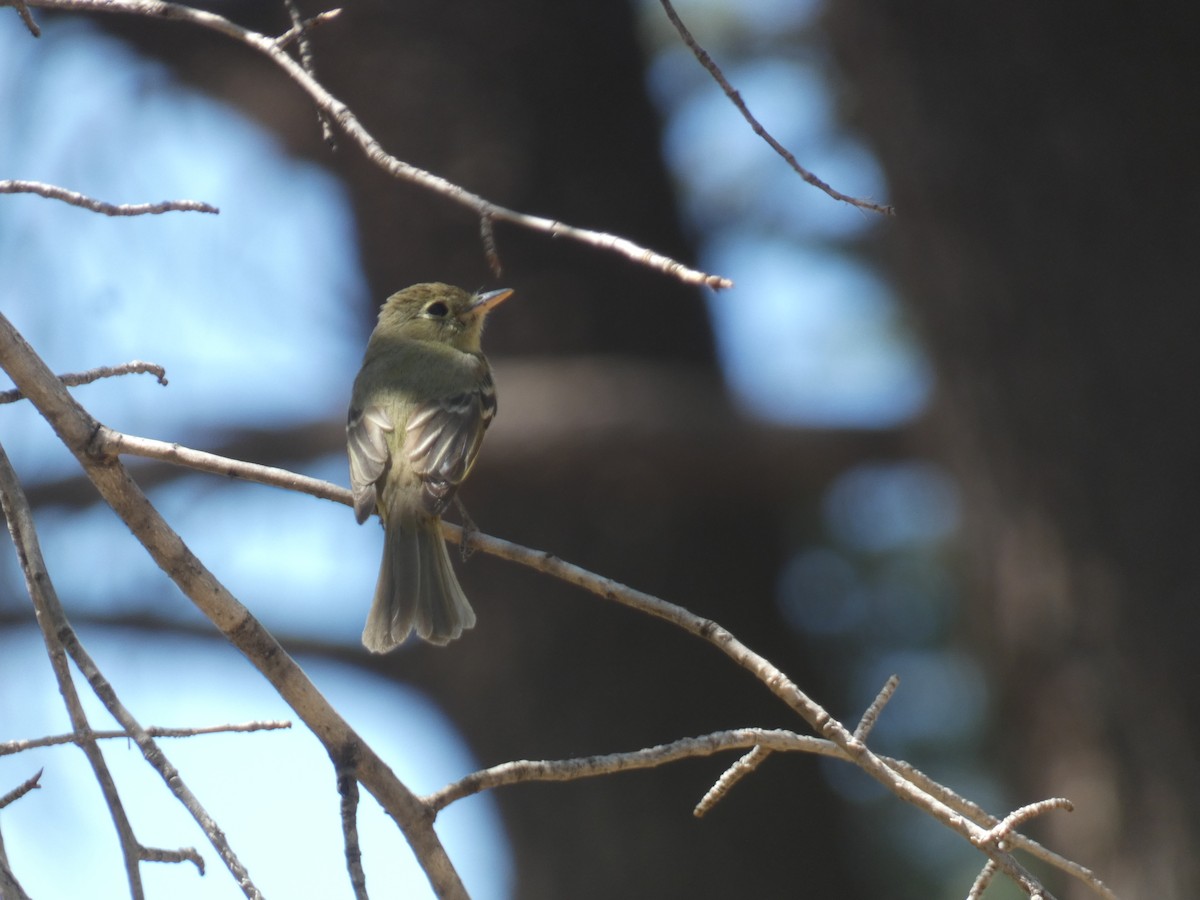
(957, 445)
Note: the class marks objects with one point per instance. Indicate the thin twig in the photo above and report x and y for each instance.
(158, 761)
(981, 817)
(345, 119)
(731, 776)
(183, 854)
(74, 379)
(347, 785)
(8, 748)
(60, 637)
(106, 442)
(53, 623)
(300, 27)
(55, 192)
(21, 790)
(982, 880)
(736, 98)
(867, 722)
(303, 26)
(522, 771)
(1000, 832)
(488, 235)
(27, 17)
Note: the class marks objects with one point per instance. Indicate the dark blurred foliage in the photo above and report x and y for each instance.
(1042, 157)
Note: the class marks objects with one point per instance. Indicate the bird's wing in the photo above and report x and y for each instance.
(366, 436)
(443, 438)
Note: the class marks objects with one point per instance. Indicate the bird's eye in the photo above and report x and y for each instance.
(437, 309)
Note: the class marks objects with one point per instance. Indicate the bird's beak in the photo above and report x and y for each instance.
(486, 302)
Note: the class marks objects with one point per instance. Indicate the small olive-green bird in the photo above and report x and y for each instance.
(421, 404)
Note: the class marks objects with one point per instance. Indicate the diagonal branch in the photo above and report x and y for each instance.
(76, 428)
(53, 623)
(61, 641)
(736, 98)
(337, 112)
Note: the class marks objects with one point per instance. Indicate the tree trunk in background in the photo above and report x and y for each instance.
(1043, 161)
(638, 470)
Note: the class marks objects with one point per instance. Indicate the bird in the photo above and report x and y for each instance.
(419, 409)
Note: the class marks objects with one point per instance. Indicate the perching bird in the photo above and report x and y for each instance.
(420, 406)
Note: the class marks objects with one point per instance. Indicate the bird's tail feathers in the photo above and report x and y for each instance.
(417, 589)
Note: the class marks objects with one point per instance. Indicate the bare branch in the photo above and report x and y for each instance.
(109, 209)
(60, 637)
(301, 27)
(867, 722)
(53, 623)
(27, 17)
(1016, 841)
(488, 236)
(522, 771)
(21, 790)
(75, 428)
(184, 854)
(729, 778)
(97, 448)
(713, 69)
(339, 113)
(1000, 832)
(108, 441)
(347, 785)
(75, 379)
(10, 888)
(982, 880)
(8, 748)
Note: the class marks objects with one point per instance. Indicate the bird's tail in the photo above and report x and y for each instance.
(417, 589)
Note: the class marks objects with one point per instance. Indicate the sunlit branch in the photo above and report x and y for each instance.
(76, 429)
(731, 776)
(7, 748)
(55, 192)
(21, 790)
(523, 771)
(62, 641)
(75, 379)
(348, 122)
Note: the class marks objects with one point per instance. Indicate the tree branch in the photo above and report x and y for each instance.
(736, 98)
(76, 428)
(109, 209)
(522, 771)
(7, 748)
(98, 447)
(60, 637)
(337, 111)
(21, 790)
(74, 379)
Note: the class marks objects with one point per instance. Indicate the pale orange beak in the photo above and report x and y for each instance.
(488, 301)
